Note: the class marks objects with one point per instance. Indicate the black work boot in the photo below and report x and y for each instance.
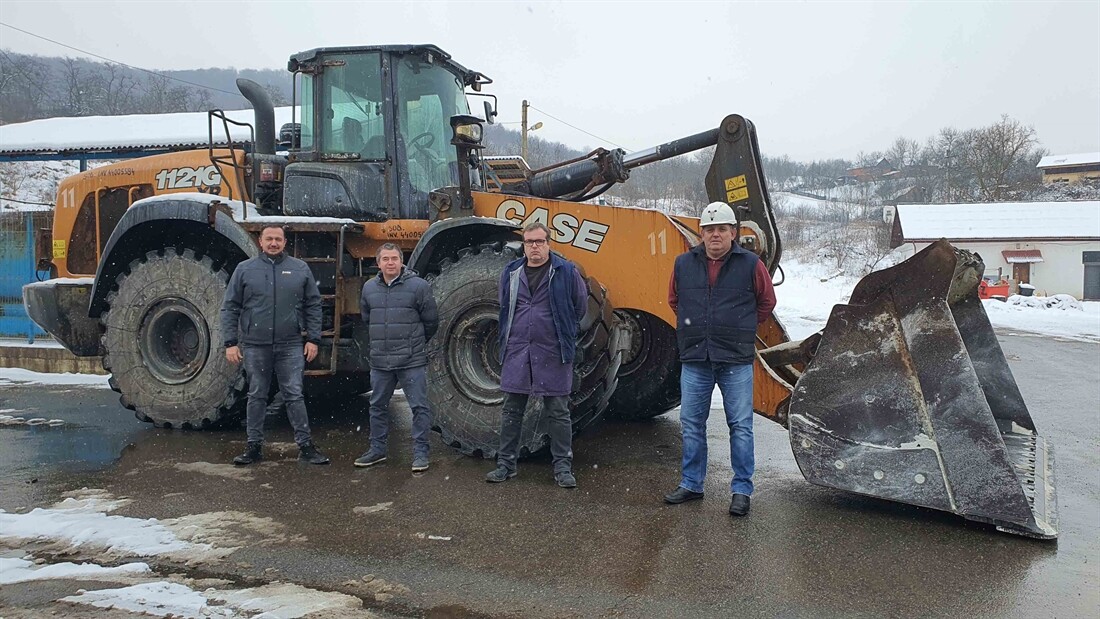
(739, 505)
(499, 474)
(307, 452)
(254, 453)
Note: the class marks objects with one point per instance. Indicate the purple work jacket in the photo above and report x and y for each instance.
(532, 356)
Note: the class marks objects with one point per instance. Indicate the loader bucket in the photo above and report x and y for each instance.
(909, 398)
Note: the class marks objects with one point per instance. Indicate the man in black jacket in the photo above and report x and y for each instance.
(401, 315)
(270, 300)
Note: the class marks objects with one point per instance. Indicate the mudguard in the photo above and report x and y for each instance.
(185, 213)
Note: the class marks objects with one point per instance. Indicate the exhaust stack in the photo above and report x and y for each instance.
(265, 115)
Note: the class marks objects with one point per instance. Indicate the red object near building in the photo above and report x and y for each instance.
(993, 290)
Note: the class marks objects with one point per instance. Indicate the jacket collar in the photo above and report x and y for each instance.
(406, 273)
(700, 251)
(556, 261)
(276, 259)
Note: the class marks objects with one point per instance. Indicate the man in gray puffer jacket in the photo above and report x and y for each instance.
(270, 300)
(401, 315)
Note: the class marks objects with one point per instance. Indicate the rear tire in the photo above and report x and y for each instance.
(463, 357)
(163, 342)
(649, 379)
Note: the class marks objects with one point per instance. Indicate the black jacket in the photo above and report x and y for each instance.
(271, 301)
(401, 318)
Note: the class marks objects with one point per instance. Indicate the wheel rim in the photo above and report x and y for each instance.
(174, 341)
(636, 355)
(473, 354)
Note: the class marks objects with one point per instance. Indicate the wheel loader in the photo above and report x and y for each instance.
(905, 395)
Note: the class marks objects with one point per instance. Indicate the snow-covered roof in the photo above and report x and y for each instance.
(134, 131)
(1051, 161)
(1001, 220)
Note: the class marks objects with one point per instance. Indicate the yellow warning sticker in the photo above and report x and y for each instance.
(737, 195)
(735, 182)
(59, 249)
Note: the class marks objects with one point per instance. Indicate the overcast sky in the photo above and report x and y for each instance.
(818, 79)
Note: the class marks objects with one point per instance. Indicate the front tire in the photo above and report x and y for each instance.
(649, 379)
(163, 341)
(463, 357)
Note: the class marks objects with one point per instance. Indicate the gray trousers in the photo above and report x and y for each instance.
(288, 364)
(560, 427)
(414, 382)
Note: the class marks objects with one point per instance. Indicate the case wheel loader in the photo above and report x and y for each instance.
(905, 395)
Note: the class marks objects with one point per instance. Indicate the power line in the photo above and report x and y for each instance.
(25, 202)
(77, 49)
(578, 128)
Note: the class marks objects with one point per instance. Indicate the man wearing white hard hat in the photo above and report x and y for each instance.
(720, 293)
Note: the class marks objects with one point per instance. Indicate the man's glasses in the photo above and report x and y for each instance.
(534, 242)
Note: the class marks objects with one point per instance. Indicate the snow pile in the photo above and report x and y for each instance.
(81, 521)
(22, 570)
(1079, 320)
(278, 600)
(18, 376)
(1058, 301)
(159, 599)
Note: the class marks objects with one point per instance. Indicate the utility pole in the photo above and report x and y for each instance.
(523, 131)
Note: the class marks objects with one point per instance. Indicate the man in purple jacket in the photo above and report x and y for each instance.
(542, 298)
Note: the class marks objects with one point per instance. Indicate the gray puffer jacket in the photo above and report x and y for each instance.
(402, 317)
(271, 301)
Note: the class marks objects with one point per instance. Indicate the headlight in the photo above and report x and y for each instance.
(467, 129)
(468, 133)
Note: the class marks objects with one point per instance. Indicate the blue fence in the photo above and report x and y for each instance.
(17, 267)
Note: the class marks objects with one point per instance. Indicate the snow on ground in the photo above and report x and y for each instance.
(32, 181)
(1078, 321)
(277, 600)
(18, 376)
(792, 202)
(804, 303)
(82, 523)
(21, 570)
(81, 520)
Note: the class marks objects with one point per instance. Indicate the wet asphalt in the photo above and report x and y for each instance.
(610, 548)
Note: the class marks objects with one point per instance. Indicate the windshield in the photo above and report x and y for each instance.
(428, 95)
(351, 108)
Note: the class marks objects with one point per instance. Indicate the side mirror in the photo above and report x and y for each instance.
(490, 113)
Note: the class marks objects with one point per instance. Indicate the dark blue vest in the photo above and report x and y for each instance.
(716, 324)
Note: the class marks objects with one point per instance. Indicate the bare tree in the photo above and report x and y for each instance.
(23, 93)
(276, 95)
(995, 152)
(119, 89)
(904, 152)
(77, 88)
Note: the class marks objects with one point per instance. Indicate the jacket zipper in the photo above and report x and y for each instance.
(274, 301)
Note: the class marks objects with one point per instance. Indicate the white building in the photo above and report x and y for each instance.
(1054, 246)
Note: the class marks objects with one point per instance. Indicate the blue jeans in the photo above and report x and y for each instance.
(287, 364)
(414, 382)
(697, 381)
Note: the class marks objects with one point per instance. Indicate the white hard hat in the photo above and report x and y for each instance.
(717, 213)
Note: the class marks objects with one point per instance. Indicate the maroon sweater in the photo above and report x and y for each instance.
(762, 286)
